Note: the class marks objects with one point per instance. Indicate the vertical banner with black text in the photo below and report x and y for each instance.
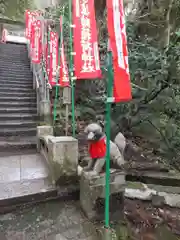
(118, 45)
(36, 50)
(53, 57)
(64, 73)
(86, 58)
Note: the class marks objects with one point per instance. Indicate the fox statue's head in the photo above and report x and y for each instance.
(94, 132)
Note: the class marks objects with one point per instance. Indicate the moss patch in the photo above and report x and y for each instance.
(135, 185)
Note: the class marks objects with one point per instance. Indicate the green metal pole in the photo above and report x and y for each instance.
(108, 133)
(71, 70)
(57, 76)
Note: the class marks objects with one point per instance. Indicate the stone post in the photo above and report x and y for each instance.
(92, 195)
(63, 158)
(43, 131)
(45, 111)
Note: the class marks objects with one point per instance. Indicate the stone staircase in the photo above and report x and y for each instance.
(24, 176)
(18, 113)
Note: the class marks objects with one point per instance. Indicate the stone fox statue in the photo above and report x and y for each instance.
(97, 149)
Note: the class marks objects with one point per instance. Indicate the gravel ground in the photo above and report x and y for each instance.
(52, 221)
(55, 220)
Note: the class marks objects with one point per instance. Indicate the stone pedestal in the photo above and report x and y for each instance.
(43, 131)
(63, 158)
(45, 110)
(67, 95)
(92, 195)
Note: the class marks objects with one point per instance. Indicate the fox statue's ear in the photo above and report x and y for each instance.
(86, 129)
(101, 124)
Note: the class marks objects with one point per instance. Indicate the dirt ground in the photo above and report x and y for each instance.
(53, 220)
(146, 222)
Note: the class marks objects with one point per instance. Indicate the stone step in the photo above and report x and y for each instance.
(25, 193)
(16, 75)
(20, 116)
(15, 59)
(22, 178)
(11, 82)
(13, 46)
(18, 110)
(159, 195)
(17, 81)
(18, 94)
(18, 90)
(17, 124)
(22, 60)
(25, 180)
(13, 50)
(17, 132)
(13, 72)
(13, 145)
(18, 99)
(19, 54)
(18, 104)
(19, 57)
(6, 152)
(13, 65)
(170, 178)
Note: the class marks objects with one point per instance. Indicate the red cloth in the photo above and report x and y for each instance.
(98, 149)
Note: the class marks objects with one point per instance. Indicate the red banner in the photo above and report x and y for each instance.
(29, 19)
(46, 59)
(36, 41)
(64, 77)
(86, 60)
(4, 35)
(53, 58)
(118, 43)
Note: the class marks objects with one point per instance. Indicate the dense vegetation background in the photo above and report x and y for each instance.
(153, 116)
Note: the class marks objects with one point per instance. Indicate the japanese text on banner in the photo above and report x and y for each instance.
(4, 35)
(53, 58)
(118, 44)
(36, 41)
(86, 60)
(64, 74)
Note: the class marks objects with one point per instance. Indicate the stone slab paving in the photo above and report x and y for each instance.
(53, 220)
(23, 175)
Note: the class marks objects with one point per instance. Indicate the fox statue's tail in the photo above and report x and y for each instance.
(120, 141)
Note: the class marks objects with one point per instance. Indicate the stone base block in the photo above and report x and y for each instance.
(106, 234)
(63, 158)
(92, 195)
(43, 131)
(45, 111)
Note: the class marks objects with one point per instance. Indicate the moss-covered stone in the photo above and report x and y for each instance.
(162, 232)
(135, 185)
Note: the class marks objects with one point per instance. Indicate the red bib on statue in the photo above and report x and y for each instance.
(98, 149)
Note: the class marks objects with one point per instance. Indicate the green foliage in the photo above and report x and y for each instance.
(154, 112)
(14, 9)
